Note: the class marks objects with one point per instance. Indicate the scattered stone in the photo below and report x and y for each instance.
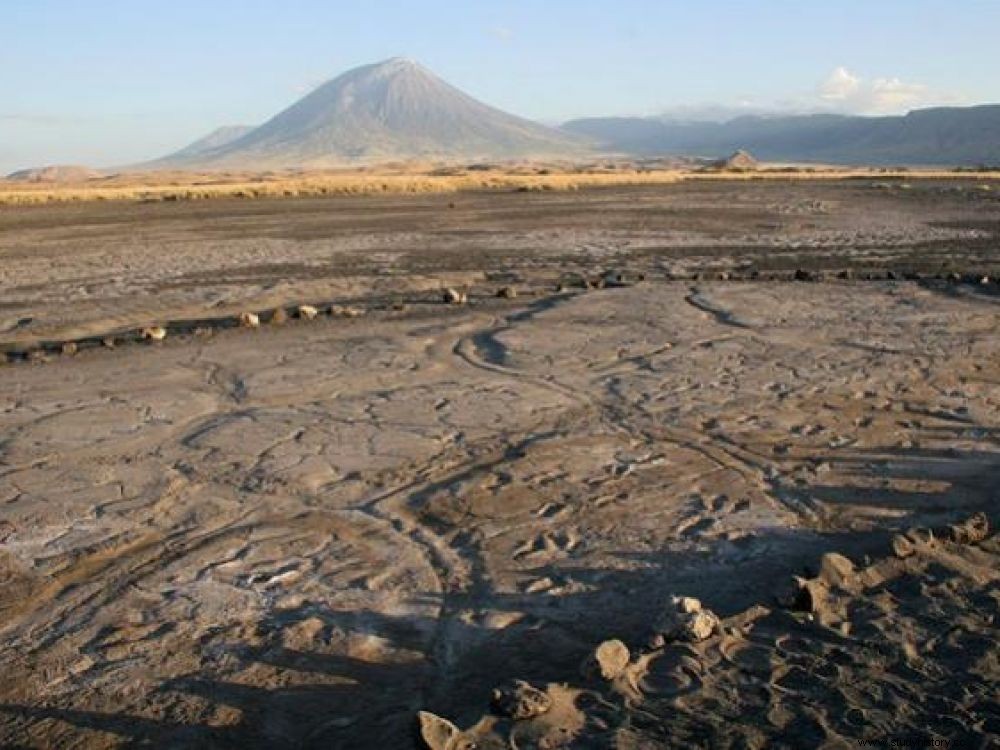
(519, 700)
(608, 661)
(507, 292)
(279, 316)
(339, 311)
(971, 531)
(902, 547)
(154, 333)
(307, 312)
(684, 620)
(69, 348)
(452, 296)
(805, 595)
(109, 342)
(835, 569)
(921, 537)
(622, 278)
(437, 733)
(539, 585)
(249, 320)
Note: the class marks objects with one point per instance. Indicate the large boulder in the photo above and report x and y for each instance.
(608, 661)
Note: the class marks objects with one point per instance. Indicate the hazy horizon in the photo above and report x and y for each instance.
(128, 82)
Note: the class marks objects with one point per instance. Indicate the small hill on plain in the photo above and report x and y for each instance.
(55, 173)
(738, 160)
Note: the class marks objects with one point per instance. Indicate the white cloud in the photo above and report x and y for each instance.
(839, 85)
(844, 91)
(841, 92)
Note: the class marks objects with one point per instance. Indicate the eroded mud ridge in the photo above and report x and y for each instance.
(497, 516)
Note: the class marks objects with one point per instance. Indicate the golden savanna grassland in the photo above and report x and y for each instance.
(176, 186)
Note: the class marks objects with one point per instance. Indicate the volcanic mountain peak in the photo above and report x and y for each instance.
(395, 109)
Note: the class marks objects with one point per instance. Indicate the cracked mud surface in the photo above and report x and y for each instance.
(299, 536)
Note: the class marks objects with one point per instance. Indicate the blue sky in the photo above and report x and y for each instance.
(106, 82)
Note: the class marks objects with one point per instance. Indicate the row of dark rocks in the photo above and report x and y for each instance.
(460, 296)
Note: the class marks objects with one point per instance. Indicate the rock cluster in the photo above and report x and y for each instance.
(972, 531)
(684, 620)
(519, 700)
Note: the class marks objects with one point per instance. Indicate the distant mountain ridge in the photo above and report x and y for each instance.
(939, 136)
(396, 109)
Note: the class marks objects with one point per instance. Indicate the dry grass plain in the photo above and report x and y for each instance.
(411, 179)
(302, 535)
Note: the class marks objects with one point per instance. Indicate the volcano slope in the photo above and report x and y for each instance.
(303, 534)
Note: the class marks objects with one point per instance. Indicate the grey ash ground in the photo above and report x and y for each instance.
(302, 535)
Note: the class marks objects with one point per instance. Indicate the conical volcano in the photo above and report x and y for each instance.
(392, 110)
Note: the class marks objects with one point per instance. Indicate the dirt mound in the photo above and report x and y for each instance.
(738, 160)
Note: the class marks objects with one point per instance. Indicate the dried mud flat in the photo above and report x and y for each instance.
(305, 535)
